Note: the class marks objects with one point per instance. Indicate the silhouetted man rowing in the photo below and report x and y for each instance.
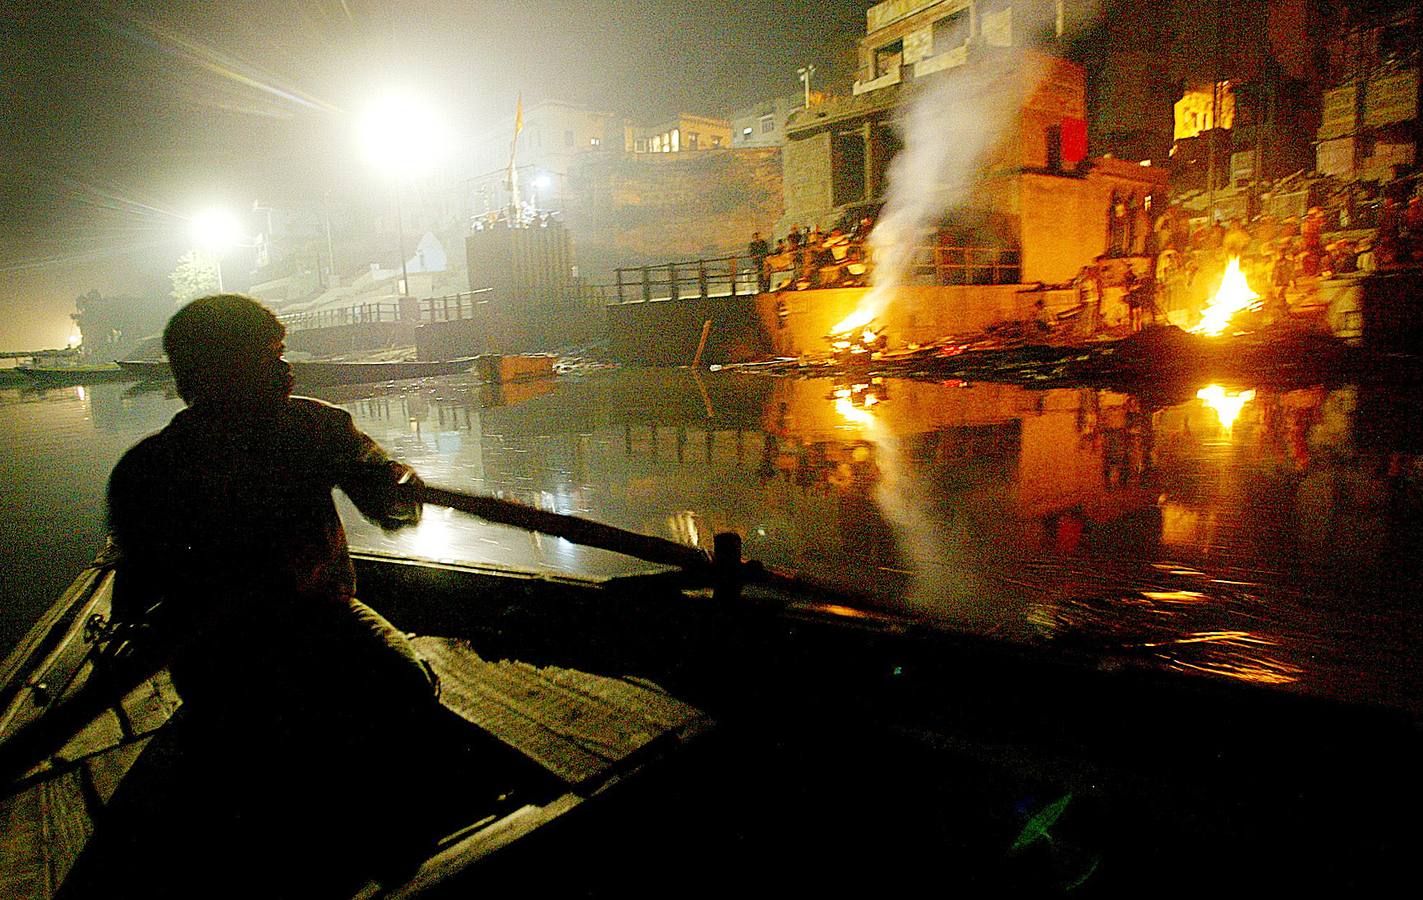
(234, 556)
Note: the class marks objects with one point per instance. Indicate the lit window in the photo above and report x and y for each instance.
(595, 142)
(746, 133)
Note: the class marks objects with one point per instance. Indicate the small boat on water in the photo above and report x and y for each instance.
(319, 373)
(708, 725)
(62, 375)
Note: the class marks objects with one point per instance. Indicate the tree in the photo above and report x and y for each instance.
(195, 277)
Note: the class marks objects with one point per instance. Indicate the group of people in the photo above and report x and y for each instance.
(812, 258)
(1168, 268)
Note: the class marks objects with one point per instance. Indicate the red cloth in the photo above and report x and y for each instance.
(1074, 140)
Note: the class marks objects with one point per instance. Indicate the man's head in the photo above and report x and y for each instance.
(226, 350)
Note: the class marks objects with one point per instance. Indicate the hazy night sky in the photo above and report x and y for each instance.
(119, 120)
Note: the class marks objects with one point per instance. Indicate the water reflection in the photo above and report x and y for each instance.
(1272, 538)
(1233, 531)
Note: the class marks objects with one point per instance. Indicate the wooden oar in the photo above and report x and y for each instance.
(725, 568)
(571, 528)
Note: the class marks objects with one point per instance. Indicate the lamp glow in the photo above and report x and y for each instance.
(215, 229)
(402, 134)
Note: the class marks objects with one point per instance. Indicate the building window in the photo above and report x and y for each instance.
(888, 57)
(595, 142)
(675, 142)
(716, 141)
(639, 145)
(768, 124)
(951, 31)
(692, 138)
(568, 139)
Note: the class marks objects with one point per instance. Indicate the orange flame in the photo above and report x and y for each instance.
(1233, 295)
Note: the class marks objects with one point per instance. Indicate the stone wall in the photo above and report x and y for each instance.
(644, 209)
(667, 332)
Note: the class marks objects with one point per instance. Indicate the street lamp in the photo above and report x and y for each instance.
(402, 136)
(541, 185)
(214, 230)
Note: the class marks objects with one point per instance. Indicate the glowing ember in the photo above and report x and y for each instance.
(1227, 404)
(1233, 296)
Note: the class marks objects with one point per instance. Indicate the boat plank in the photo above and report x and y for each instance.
(45, 827)
(102, 733)
(576, 725)
(107, 770)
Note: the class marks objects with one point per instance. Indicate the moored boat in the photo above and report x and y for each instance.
(317, 373)
(62, 375)
(707, 726)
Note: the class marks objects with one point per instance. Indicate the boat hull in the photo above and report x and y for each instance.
(845, 744)
(62, 376)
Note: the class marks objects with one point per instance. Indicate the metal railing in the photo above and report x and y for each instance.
(361, 314)
(429, 309)
(454, 306)
(736, 276)
(726, 276)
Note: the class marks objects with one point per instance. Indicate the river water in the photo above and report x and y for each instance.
(1271, 537)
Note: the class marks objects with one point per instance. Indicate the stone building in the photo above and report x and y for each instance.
(764, 124)
(1369, 122)
(682, 133)
(1039, 197)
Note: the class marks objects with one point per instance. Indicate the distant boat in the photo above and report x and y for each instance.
(60, 375)
(319, 373)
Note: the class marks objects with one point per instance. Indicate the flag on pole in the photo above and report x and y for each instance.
(514, 211)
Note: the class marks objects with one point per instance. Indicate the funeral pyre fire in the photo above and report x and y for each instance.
(1233, 296)
(860, 339)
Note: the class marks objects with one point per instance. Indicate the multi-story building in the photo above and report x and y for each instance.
(682, 133)
(1370, 123)
(764, 124)
(1035, 201)
(554, 134)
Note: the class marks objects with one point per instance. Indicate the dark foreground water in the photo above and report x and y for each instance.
(1272, 537)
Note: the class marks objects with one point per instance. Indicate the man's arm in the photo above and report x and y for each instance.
(380, 487)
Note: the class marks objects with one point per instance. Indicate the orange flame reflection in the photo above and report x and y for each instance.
(1227, 404)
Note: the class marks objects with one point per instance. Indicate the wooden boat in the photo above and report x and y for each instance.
(61, 375)
(318, 373)
(711, 728)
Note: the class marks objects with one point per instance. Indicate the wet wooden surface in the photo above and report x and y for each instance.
(578, 726)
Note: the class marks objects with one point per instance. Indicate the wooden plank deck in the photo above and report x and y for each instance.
(580, 727)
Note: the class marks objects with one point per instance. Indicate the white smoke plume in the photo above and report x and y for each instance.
(948, 131)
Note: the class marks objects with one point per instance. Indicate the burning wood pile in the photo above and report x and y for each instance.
(1233, 337)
